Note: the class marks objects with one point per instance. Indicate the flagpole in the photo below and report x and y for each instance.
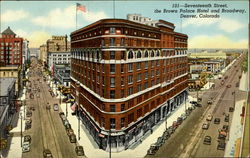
(76, 16)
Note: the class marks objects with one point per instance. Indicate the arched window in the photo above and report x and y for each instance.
(146, 54)
(93, 54)
(158, 53)
(88, 54)
(152, 54)
(138, 54)
(130, 55)
(97, 55)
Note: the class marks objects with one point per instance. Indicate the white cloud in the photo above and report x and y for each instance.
(35, 38)
(230, 25)
(65, 18)
(218, 41)
(225, 24)
(14, 15)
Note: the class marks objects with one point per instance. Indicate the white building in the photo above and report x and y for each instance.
(140, 19)
(58, 58)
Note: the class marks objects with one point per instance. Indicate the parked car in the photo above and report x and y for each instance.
(193, 102)
(166, 135)
(225, 128)
(47, 153)
(179, 120)
(170, 130)
(79, 151)
(175, 125)
(222, 134)
(26, 147)
(199, 99)
(231, 109)
(226, 118)
(209, 101)
(183, 116)
(153, 149)
(198, 105)
(72, 138)
(55, 107)
(209, 117)
(205, 125)
(221, 145)
(229, 85)
(217, 121)
(27, 138)
(69, 131)
(28, 113)
(207, 140)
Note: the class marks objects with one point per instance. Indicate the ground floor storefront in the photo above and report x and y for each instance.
(124, 139)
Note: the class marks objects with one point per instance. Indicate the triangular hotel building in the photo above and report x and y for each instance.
(127, 76)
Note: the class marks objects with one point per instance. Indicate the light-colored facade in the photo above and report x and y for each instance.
(12, 71)
(43, 53)
(210, 55)
(143, 20)
(55, 58)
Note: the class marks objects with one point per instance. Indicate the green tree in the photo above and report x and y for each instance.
(244, 64)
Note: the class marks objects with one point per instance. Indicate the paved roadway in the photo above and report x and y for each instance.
(47, 130)
(187, 140)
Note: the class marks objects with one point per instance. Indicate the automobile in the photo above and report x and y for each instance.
(199, 99)
(153, 149)
(207, 140)
(209, 117)
(222, 134)
(221, 145)
(28, 113)
(55, 107)
(205, 125)
(217, 121)
(193, 102)
(27, 138)
(166, 135)
(175, 125)
(225, 128)
(198, 105)
(67, 126)
(229, 85)
(179, 120)
(70, 131)
(226, 118)
(231, 109)
(209, 101)
(48, 107)
(79, 150)
(27, 124)
(47, 153)
(160, 141)
(72, 138)
(183, 116)
(170, 130)
(32, 108)
(26, 147)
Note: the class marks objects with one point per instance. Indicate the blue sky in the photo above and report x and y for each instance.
(37, 21)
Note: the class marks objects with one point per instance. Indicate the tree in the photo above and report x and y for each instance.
(244, 64)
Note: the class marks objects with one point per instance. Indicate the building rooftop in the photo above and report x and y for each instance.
(5, 84)
(8, 31)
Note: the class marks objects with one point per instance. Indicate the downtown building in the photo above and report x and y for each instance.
(126, 78)
(11, 57)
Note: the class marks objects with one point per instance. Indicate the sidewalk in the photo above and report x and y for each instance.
(138, 150)
(15, 150)
(236, 128)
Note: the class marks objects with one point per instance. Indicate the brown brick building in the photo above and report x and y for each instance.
(126, 77)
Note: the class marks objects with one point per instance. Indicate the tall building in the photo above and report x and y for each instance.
(126, 78)
(11, 48)
(56, 51)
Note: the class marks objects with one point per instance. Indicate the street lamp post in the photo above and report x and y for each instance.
(21, 128)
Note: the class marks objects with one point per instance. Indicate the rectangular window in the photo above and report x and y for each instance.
(130, 67)
(112, 123)
(130, 79)
(139, 87)
(112, 30)
(112, 94)
(138, 66)
(152, 63)
(112, 68)
(112, 41)
(146, 64)
(152, 73)
(122, 81)
(122, 122)
(139, 113)
(122, 55)
(122, 41)
(153, 82)
(130, 118)
(157, 72)
(122, 68)
(112, 82)
(122, 93)
(102, 122)
(112, 108)
(122, 107)
(157, 63)
(103, 80)
(130, 91)
(145, 85)
(112, 54)
(138, 77)
(146, 75)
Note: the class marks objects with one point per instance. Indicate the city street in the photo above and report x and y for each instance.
(47, 130)
(188, 138)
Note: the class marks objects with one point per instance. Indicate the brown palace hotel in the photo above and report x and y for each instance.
(126, 78)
